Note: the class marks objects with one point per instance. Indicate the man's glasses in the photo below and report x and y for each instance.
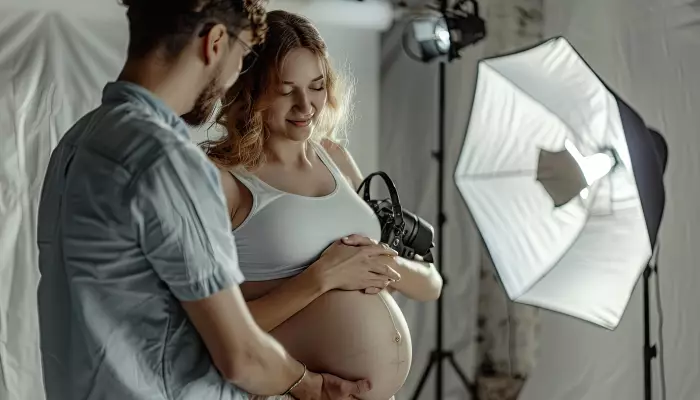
(248, 59)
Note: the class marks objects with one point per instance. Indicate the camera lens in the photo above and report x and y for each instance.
(418, 234)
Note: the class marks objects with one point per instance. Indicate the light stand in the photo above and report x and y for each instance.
(649, 349)
(658, 143)
(439, 354)
(470, 28)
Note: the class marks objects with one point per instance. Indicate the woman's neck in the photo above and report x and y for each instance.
(289, 153)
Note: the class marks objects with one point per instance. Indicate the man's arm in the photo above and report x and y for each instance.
(243, 353)
(259, 364)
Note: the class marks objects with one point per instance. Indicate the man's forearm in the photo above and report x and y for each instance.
(241, 351)
(265, 368)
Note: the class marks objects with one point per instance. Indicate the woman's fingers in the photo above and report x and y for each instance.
(376, 251)
(386, 271)
(375, 283)
(358, 240)
(377, 286)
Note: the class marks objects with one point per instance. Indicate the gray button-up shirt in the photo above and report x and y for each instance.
(131, 221)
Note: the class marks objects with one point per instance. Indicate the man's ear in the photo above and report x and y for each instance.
(213, 44)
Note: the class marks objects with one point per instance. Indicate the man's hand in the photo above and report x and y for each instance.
(329, 387)
(336, 388)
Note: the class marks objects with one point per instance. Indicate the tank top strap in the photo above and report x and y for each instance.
(328, 161)
(245, 177)
(262, 193)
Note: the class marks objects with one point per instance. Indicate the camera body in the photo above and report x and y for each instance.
(402, 230)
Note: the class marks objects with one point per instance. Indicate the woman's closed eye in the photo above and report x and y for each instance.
(316, 89)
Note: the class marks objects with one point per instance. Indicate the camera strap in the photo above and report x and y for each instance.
(393, 193)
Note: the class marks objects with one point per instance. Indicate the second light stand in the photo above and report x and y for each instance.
(439, 354)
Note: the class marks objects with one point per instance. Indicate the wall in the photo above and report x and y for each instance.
(359, 50)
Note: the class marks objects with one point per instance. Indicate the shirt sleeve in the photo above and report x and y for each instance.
(185, 230)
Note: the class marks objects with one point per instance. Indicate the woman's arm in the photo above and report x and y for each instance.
(419, 280)
(287, 299)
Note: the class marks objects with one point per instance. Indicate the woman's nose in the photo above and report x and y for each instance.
(304, 104)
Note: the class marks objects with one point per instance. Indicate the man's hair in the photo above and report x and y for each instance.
(169, 25)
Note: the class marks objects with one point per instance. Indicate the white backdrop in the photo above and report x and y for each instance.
(55, 57)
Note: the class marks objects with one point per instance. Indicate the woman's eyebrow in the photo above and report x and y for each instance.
(315, 80)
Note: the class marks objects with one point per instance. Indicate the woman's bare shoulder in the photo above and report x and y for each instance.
(342, 158)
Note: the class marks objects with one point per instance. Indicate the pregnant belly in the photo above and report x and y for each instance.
(354, 336)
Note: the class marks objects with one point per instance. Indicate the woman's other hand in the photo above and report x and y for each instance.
(355, 263)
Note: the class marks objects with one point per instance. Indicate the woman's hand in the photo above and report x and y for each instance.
(359, 240)
(358, 265)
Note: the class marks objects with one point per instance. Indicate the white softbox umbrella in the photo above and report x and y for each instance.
(557, 172)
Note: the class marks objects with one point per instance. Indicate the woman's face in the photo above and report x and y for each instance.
(300, 98)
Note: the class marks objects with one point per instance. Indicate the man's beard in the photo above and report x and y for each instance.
(205, 104)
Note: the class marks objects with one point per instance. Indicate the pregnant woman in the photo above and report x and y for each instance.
(307, 243)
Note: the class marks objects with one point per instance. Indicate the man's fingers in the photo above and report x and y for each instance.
(355, 388)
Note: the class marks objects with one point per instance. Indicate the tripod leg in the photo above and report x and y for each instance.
(424, 376)
(471, 388)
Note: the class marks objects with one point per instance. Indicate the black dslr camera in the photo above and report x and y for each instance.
(403, 231)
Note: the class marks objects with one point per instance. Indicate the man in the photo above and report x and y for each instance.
(138, 297)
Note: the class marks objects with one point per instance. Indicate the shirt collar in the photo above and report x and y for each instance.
(128, 92)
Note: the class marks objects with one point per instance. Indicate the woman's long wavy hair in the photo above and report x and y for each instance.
(242, 113)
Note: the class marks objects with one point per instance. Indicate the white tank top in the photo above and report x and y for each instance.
(284, 232)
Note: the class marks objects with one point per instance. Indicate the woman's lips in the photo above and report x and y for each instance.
(300, 124)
